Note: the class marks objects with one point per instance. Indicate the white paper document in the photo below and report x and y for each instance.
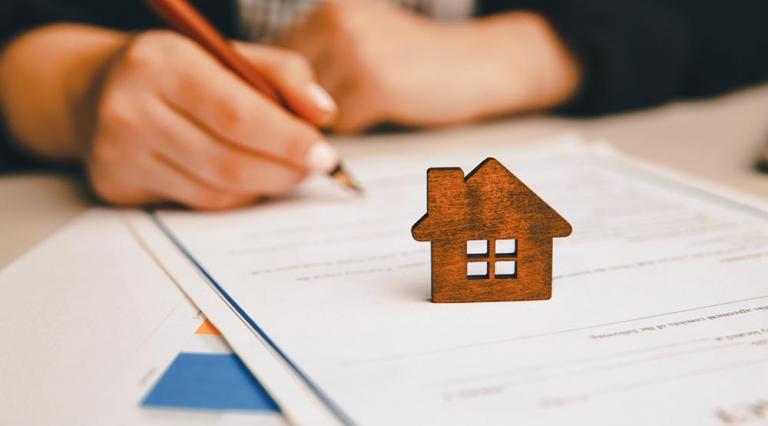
(659, 312)
(87, 336)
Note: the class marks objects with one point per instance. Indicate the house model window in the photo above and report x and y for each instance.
(487, 259)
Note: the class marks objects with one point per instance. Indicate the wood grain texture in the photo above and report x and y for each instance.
(489, 204)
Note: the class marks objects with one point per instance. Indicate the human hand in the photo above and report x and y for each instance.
(382, 63)
(169, 123)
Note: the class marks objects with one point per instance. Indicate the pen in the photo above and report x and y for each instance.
(184, 18)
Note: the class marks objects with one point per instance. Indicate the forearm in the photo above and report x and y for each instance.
(45, 77)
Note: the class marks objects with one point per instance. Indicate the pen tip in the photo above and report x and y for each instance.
(342, 177)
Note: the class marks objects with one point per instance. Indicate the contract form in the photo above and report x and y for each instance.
(659, 312)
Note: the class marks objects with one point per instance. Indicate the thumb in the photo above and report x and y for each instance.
(291, 75)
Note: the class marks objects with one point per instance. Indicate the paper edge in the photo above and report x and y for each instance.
(297, 403)
(605, 148)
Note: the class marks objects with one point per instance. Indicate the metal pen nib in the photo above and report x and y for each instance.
(340, 175)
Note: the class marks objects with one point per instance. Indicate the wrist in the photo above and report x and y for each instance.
(527, 67)
(83, 79)
(554, 73)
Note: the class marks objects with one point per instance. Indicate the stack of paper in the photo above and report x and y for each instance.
(658, 314)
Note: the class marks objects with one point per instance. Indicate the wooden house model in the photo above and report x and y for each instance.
(491, 236)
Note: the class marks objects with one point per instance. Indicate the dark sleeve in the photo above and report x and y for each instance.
(17, 16)
(642, 53)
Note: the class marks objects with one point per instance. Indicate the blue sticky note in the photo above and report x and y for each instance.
(209, 382)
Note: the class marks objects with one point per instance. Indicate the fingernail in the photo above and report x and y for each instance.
(322, 157)
(321, 98)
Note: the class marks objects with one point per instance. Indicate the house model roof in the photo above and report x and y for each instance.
(490, 202)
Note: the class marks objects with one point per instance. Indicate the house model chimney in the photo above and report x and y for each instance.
(447, 191)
